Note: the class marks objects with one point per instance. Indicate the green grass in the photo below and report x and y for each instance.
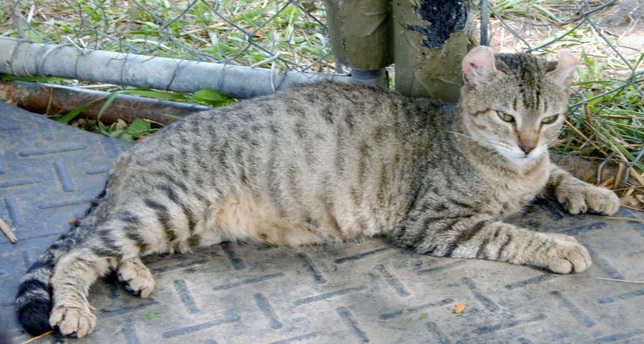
(279, 35)
(248, 33)
(610, 116)
(541, 10)
(138, 127)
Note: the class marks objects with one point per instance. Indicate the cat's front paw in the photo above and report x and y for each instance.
(566, 255)
(580, 197)
(73, 321)
(136, 278)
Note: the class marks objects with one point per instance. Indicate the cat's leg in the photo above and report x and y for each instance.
(578, 196)
(107, 248)
(75, 272)
(506, 242)
(495, 240)
(135, 277)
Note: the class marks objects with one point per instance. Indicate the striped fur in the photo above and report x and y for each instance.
(324, 163)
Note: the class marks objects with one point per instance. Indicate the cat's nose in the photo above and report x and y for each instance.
(526, 148)
(528, 142)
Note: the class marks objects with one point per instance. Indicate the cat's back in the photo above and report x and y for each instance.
(318, 121)
(292, 113)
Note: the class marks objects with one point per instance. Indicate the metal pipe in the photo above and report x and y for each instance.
(23, 58)
(483, 5)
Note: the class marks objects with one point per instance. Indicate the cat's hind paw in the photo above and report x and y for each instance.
(566, 256)
(73, 321)
(135, 277)
(582, 197)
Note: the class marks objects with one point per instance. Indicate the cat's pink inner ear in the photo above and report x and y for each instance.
(566, 68)
(478, 65)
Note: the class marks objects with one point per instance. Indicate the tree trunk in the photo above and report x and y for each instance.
(360, 33)
(430, 40)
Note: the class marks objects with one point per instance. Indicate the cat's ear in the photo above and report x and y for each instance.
(566, 68)
(478, 65)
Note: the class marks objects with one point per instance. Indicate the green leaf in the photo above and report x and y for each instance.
(138, 128)
(9, 77)
(174, 117)
(116, 134)
(212, 98)
(154, 94)
(151, 315)
(110, 99)
(72, 114)
(102, 129)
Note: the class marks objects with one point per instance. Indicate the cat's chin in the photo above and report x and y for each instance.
(522, 160)
(518, 157)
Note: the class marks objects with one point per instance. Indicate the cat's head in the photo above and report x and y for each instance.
(515, 104)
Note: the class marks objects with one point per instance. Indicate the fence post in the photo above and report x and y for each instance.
(360, 33)
(430, 40)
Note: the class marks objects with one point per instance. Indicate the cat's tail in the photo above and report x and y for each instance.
(34, 298)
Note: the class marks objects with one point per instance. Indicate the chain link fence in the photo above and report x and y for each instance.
(290, 35)
(293, 34)
(603, 32)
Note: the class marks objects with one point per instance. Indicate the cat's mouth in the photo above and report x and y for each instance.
(519, 156)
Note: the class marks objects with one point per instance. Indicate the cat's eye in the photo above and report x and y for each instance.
(550, 119)
(505, 117)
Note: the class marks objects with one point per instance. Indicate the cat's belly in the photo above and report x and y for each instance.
(243, 216)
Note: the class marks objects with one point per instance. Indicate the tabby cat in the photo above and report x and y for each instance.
(331, 162)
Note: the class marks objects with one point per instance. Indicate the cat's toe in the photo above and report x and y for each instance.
(73, 321)
(581, 198)
(136, 278)
(603, 201)
(567, 256)
(574, 203)
(126, 285)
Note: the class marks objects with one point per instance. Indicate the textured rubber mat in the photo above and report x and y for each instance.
(354, 293)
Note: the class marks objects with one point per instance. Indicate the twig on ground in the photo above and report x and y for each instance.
(8, 232)
(625, 219)
(38, 337)
(619, 280)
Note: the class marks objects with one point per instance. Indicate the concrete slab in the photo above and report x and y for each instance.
(353, 293)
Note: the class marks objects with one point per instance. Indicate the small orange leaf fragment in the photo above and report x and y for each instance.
(459, 308)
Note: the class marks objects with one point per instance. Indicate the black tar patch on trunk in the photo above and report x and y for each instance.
(444, 17)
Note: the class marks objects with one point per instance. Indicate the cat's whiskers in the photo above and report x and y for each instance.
(493, 154)
(475, 139)
(496, 148)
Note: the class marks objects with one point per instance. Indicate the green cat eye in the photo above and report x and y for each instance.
(505, 117)
(550, 119)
